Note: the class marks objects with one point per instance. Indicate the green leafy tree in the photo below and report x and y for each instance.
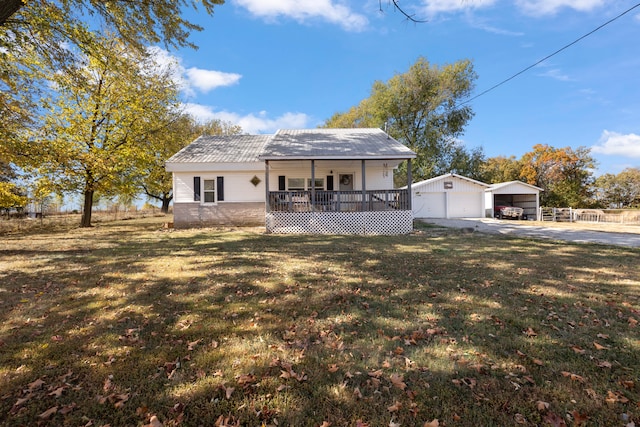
(155, 181)
(96, 124)
(565, 175)
(619, 191)
(500, 169)
(421, 108)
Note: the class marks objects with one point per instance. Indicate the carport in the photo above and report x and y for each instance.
(513, 193)
(448, 196)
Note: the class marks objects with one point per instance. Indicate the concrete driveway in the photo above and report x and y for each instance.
(520, 228)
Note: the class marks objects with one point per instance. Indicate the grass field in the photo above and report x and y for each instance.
(129, 324)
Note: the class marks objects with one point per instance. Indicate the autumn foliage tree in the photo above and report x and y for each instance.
(97, 121)
(565, 174)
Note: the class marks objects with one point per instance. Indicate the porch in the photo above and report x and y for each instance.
(338, 201)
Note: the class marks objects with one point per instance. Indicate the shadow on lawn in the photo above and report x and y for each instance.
(191, 325)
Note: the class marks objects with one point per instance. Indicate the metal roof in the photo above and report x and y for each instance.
(359, 143)
(222, 149)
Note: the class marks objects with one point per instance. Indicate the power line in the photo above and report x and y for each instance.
(549, 56)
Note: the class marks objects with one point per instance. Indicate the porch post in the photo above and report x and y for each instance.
(266, 185)
(364, 188)
(313, 185)
(409, 179)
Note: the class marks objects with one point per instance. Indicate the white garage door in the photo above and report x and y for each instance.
(465, 205)
(429, 205)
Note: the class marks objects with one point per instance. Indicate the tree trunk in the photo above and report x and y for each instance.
(88, 207)
(165, 204)
(8, 8)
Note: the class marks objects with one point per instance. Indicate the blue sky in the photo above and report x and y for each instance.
(275, 64)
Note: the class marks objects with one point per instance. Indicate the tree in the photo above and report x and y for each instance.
(619, 191)
(136, 22)
(421, 109)
(96, 125)
(565, 175)
(156, 183)
(500, 169)
(11, 197)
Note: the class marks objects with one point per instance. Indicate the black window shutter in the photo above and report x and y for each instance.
(329, 182)
(196, 188)
(220, 188)
(281, 183)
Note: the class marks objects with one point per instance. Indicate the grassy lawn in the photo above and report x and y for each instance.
(128, 324)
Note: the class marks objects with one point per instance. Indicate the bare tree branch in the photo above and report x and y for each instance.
(399, 9)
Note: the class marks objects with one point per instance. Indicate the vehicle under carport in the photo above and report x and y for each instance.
(513, 193)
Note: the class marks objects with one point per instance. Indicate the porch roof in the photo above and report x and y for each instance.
(334, 144)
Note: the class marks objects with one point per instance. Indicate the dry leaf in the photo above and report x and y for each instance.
(332, 367)
(154, 422)
(360, 423)
(433, 423)
(599, 346)
(530, 332)
(542, 406)
(577, 349)
(376, 374)
(574, 377)
(393, 423)
(325, 424)
(228, 391)
(48, 413)
(578, 418)
(397, 381)
(555, 420)
(37, 384)
(57, 392)
(395, 407)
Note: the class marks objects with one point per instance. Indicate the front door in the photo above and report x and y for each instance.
(346, 181)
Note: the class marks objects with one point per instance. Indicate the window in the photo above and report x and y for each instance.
(319, 184)
(295, 184)
(298, 184)
(209, 191)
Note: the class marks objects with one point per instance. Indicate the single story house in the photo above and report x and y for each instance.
(337, 181)
(514, 193)
(449, 196)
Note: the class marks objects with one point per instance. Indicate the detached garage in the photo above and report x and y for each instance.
(449, 196)
(514, 193)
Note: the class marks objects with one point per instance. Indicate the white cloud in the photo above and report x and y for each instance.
(530, 7)
(549, 7)
(303, 10)
(193, 79)
(250, 123)
(556, 74)
(205, 80)
(435, 6)
(613, 143)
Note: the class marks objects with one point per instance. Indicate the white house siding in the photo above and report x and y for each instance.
(237, 186)
(434, 199)
(377, 176)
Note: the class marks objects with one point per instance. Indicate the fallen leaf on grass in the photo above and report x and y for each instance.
(433, 423)
(397, 381)
(332, 368)
(555, 420)
(37, 384)
(192, 345)
(57, 392)
(578, 418)
(577, 349)
(361, 423)
(542, 406)
(616, 397)
(604, 364)
(574, 377)
(48, 413)
(325, 424)
(154, 422)
(395, 407)
(599, 346)
(530, 332)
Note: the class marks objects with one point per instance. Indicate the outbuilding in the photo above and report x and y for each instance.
(449, 196)
(514, 193)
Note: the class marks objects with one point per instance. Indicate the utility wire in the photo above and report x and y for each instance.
(549, 56)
